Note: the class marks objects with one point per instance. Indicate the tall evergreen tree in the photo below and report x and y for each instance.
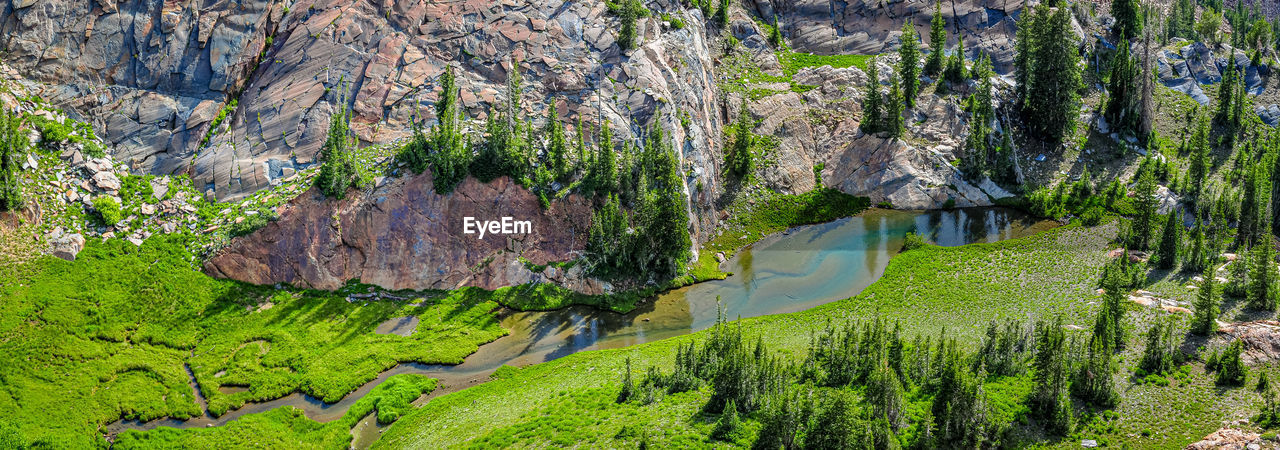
(1231, 369)
(738, 159)
(1093, 381)
(1048, 397)
(449, 155)
(1052, 96)
(13, 145)
(557, 146)
(1226, 96)
(1023, 63)
(1181, 22)
(955, 71)
(628, 12)
(872, 105)
(1128, 21)
(1262, 278)
(338, 171)
(937, 43)
(909, 64)
(1123, 106)
(1145, 203)
(1207, 305)
(602, 176)
(1170, 242)
(893, 109)
(1157, 357)
(1198, 172)
(1198, 257)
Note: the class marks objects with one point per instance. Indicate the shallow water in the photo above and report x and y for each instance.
(786, 272)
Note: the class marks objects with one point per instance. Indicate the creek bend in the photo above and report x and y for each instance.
(785, 272)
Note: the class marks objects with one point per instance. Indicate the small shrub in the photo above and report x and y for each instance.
(252, 223)
(108, 210)
(913, 241)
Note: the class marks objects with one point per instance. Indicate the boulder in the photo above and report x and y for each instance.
(1230, 439)
(66, 246)
(106, 181)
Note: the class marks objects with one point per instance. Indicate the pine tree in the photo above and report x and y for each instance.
(1094, 382)
(339, 171)
(1198, 258)
(1157, 357)
(580, 160)
(728, 426)
(13, 145)
(602, 174)
(1123, 107)
(628, 12)
(722, 14)
(872, 108)
(884, 393)
(449, 157)
(505, 149)
(909, 64)
(1145, 203)
(557, 147)
(1023, 62)
(1110, 322)
(1052, 96)
(1128, 23)
(1049, 397)
(937, 43)
(1262, 278)
(893, 109)
(1208, 299)
(955, 72)
(628, 386)
(1198, 172)
(1170, 242)
(738, 159)
(1181, 22)
(1231, 369)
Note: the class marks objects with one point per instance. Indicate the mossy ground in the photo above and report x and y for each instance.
(928, 289)
(105, 337)
(288, 427)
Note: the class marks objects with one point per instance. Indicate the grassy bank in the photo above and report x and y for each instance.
(289, 427)
(570, 399)
(113, 329)
(752, 219)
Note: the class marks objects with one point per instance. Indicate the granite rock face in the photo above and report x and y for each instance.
(140, 71)
(820, 128)
(875, 26)
(152, 75)
(403, 235)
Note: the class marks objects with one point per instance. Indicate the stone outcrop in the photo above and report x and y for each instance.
(875, 26)
(403, 235)
(1261, 340)
(820, 127)
(1231, 439)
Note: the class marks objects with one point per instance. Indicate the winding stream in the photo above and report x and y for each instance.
(785, 272)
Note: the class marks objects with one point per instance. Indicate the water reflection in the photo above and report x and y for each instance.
(786, 272)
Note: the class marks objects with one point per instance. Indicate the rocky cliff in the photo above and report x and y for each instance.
(152, 76)
(403, 235)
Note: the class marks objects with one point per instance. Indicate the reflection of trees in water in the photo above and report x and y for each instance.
(552, 334)
(745, 259)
